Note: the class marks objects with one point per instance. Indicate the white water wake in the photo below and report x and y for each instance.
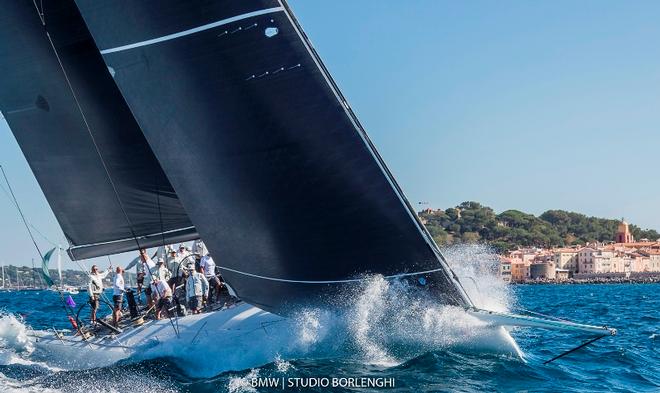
(14, 340)
(387, 324)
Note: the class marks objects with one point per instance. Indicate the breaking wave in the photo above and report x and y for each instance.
(14, 340)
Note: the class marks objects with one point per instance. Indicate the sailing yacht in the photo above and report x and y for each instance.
(61, 287)
(5, 287)
(217, 120)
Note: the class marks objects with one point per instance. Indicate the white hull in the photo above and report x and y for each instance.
(66, 291)
(242, 322)
(236, 338)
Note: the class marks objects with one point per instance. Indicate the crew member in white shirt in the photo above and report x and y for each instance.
(197, 289)
(199, 248)
(145, 267)
(172, 261)
(160, 271)
(162, 294)
(95, 289)
(207, 266)
(183, 252)
(118, 295)
(143, 270)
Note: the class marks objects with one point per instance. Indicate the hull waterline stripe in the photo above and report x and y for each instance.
(323, 281)
(192, 31)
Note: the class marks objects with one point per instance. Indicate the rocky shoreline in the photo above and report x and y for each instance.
(597, 280)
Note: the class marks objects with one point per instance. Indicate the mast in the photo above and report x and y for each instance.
(3, 275)
(18, 279)
(59, 265)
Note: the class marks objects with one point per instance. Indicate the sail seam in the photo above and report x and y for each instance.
(192, 31)
(326, 281)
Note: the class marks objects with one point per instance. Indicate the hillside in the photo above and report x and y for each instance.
(472, 222)
(32, 277)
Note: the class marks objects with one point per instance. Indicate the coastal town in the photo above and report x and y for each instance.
(624, 259)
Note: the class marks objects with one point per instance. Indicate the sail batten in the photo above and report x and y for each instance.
(79, 137)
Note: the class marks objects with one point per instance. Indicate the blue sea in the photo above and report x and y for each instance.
(628, 362)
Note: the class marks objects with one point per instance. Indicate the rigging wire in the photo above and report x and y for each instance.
(20, 211)
(538, 314)
(561, 355)
(34, 242)
(162, 232)
(82, 267)
(96, 147)
(52, 243)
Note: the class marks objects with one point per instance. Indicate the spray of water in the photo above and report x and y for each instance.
(387, 323)
(242, 384)
(477, 266)
(15, 344)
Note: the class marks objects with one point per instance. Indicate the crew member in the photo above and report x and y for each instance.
(207, 267)
(183, 252)
(197, 289)
(144, 269)
(172, 261)
(95, 288)
(199, 248)
(162, 295)
(161, 271)
(118, 295)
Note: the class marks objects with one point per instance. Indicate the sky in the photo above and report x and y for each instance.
(515, 104)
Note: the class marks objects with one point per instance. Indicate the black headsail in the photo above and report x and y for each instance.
(271, 164)
(78, 135)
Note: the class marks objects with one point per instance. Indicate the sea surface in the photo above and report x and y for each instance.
(377, 343)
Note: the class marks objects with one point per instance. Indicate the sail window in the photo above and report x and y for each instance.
(271, 31)
(42, 104)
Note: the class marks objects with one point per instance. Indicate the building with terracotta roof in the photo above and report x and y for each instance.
(623, 234)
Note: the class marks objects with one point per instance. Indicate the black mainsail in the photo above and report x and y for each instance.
(277, 174)
(86, 150)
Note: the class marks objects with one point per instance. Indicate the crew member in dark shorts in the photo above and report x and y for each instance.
(197, 289)
(162, 294)
(95, 288)
(118, 295)
(207, 268)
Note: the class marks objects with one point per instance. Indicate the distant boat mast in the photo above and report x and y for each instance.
(34, 279)
(59, 265)
(18, 279)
